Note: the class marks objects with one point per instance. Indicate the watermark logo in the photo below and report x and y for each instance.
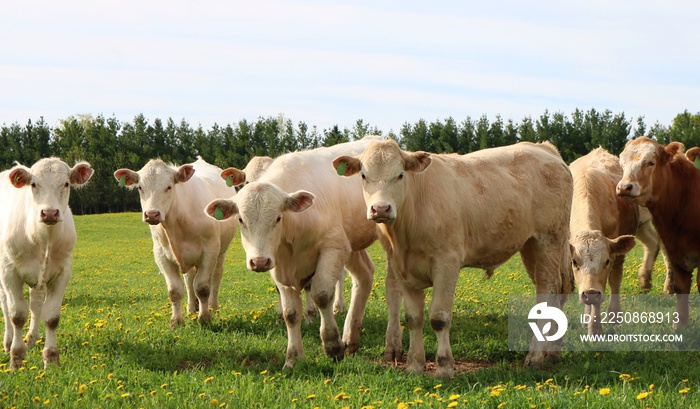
(542, 311)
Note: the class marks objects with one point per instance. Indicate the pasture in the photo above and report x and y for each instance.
(117, 349)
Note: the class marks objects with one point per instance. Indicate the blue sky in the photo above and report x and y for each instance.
(333, 62)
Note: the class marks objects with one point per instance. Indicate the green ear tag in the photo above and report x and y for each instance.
(341, 168)
(697, 162)
(229, 181)
(218, 213)
(122, 180)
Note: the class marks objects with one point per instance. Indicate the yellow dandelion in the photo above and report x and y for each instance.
(502, 404)
(605, 391)
(685, 381)
(452, 404)
(209, 379)
(163, 386)
(438, 386)
(402, 406)
(520, 387)
(643, 395)
(47, 402)
(327, 381)
(125, 395)
(312, 396)
(295, 400)
(495, 393)
(454, 397)
(684, 391)
(651, 386)
(417, 390)
(214, 402)
(264, 372)
(36, 399)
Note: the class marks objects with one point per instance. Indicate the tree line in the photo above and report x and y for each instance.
(109, 144)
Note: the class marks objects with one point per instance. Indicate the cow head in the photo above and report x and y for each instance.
(639, 160)
(50, 181)
(155, 183)
(383, 167)
(592, 257)
(260, 208)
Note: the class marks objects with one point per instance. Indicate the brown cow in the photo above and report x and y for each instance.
(439, 213)
(667, 183)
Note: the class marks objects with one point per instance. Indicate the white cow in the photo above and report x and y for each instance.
(184, 240)
(439, 213)
(37, 236)
(303, 223)
(252, 172)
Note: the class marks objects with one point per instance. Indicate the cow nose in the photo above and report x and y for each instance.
(624, 188)
(260, 264)
(49, 216)
(378, 210)
(592, 296)
(151, 217)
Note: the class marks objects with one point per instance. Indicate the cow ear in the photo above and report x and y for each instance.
(233, 176)
(416, 161)
(347, 165)
(184, 173)
(299, 201)
(692, 153)
(671, 150)
(126, 177)
(622, 244)
(80, 173)
(221, 209)
(20, 176)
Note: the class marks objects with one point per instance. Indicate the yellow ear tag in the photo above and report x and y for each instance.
(122, 180)
(229, 181)
(341, 168)
(697, 162)
(16, 178)
(218, 213)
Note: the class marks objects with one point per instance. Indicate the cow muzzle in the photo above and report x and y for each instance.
(627, 190)
(49, 216)
(380, 213)
(592, 297)
(260, 264)
(152, 217)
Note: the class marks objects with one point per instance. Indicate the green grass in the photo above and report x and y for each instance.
(117, 349)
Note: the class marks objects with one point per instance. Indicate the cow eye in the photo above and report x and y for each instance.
(607, 263)
(139, 187)
(574, 263)
(169, 188)
(400, 176)
(32, 184)
(651, 163)
(363, 176)
(66, 184)
(279, 219)
(240, 220)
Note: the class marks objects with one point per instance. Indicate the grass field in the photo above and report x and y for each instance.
(117, 349)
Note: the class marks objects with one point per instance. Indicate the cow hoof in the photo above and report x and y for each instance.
(534, 359)
(445, 372)
(177, 322)
(351, 347)
(415, 368)
(393, 354)
(17, 356)
(31, 341)
(51, 357)
(339, 308)
(336, 351)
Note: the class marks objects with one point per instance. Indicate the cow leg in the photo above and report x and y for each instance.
(546, 260)
(18, 310)
(394, 334)
(52, 310)
(362, 273)
(9, 330)
(330, 264)
(216, 282)
(202, 286)
(683, 281)
(440, 314)
(669, 286)
(291, 305)
(650, 240)
(339, 300)
(615, 280)
(37, 295)
(173, 279)
(414, 303)
(192, 301)
(310, 310)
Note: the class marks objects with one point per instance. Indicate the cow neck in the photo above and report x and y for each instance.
(172, 227)
(675, 188)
